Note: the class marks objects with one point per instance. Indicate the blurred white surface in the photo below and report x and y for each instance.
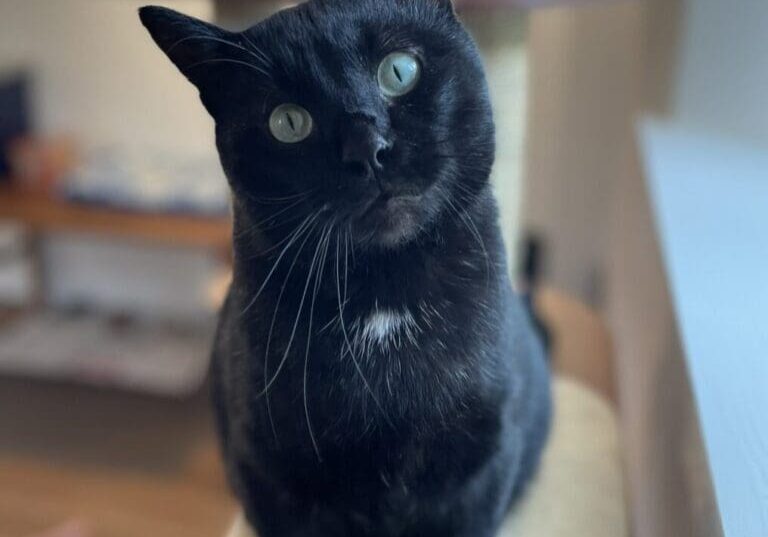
(128, 277)
(710, 196)
(150, 180)
(144, 356)
(98, 75)
(501, 36)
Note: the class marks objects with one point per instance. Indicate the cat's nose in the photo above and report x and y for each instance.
(363, 147)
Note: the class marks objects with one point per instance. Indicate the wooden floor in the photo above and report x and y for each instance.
(36, 495)
(129, 466)
(122, 465)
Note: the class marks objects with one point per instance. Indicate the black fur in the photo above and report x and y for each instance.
(333, 422)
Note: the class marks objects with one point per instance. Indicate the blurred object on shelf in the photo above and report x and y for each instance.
(16, 277)
(149, 181)
(39, 164)
(149, 281)
(11, 239)
(14, 115)
(169, 359)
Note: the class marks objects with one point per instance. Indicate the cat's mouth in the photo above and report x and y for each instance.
(390, 220)
(389, 204)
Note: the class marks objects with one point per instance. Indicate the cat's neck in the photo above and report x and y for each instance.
(460, 250)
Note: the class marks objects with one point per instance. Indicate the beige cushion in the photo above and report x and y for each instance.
(579, 490)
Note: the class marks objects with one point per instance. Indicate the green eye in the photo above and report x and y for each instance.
(290, 123)
(399, 73)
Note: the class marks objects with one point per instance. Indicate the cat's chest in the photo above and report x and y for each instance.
(379, 330)
(384, 347)
(396, 461)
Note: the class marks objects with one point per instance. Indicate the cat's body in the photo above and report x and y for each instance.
(374, 374)
(456, 423)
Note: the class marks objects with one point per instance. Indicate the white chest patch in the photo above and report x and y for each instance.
(384, 328)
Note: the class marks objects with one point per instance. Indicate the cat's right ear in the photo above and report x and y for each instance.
(197, 48)
(447, 5)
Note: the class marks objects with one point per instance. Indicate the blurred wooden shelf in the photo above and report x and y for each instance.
(43, 213)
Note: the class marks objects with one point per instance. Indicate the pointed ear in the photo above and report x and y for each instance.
(185, 40)
(448, 5)
(200, 51)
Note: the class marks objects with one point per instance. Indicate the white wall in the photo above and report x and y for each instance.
(583, 65)
(99, 76)
(501, 36)
(723, 78)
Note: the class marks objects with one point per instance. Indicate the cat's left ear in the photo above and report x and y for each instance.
(197, 48)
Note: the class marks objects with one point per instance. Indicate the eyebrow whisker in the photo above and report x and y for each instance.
(229, 60)
(256, 50)
(262, 58)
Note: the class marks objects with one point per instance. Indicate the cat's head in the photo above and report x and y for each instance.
(369, 116)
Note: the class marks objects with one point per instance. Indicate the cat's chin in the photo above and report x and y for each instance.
(390, 221)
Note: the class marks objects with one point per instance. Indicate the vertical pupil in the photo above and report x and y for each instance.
(397, 73)
(289, 117)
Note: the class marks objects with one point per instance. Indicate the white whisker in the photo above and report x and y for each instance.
(258, 225)
(227, 60)
(318, 278)
(472, 228)
(218, 40)
(272, 328)
(307, 222)
(349, 344)
(256, 50)
(296, 322)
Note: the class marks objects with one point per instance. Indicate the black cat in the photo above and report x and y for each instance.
(374, 373)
